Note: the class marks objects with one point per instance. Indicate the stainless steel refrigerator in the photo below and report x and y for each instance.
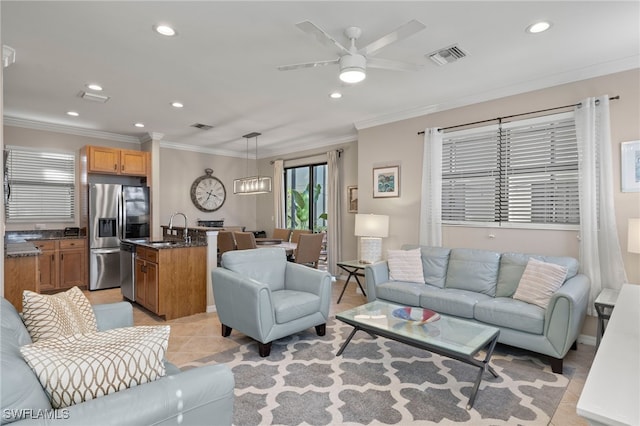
(116, 212)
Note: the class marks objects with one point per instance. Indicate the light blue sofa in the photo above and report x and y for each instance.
(198, 396)
(478, 285)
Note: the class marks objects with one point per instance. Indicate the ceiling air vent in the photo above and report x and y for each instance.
(93, 97)
(202, 126)
(447, 55)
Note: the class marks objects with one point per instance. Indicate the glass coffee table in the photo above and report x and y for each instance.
(447, 336)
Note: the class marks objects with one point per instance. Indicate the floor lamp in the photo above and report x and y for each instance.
(371, 228)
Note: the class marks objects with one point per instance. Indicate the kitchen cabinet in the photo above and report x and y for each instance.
(116, 161)
(20, 273)
(63, 264)
(172, 282)
(147, 278)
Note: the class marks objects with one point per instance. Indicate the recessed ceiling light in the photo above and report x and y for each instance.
(165, 30)
(538, 27)
(177, 104)
(72, 113)
(95, 87)
(335, 95)
(139, 124)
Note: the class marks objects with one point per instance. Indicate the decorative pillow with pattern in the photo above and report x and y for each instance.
(405, 265)
(81, 367)
(539, 281)
(62, 314)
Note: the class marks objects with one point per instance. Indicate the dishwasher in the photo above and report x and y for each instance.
(128, 270)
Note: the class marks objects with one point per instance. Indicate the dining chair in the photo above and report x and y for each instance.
(308, 250)
(245, 240)
(225, 243)
(295, 234)
(281, 234)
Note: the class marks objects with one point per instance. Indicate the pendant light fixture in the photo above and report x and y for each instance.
(252, 185)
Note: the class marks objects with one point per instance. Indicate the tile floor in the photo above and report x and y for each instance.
(199, 335)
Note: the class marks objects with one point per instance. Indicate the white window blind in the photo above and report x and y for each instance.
(42, 185)
(524, 171)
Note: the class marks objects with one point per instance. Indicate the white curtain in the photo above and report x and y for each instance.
(278, 194)
(600, 254)
(334, 230)
(431, 203)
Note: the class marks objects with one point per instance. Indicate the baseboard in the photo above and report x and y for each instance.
(585, 339)
(211, 308)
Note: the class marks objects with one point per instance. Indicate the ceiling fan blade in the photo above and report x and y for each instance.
(322, 36)
(307, 65)
(388, 64)
(400, 33)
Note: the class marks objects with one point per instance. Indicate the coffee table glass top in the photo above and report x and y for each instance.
(449, 333)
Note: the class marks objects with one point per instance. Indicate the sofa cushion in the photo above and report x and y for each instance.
(403, 293)
(61, 314)
(473, 270)
(512, 266)
(265, 265)
(290, 305)
(77, 368)
(20, 387)
(459, 303)
(434, 263)
(405, 265)
(510, 313)
(539, 281)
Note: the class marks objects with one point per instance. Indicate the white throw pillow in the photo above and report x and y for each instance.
(405, 265)
(77, 368)
(539, 281)
(62, 314)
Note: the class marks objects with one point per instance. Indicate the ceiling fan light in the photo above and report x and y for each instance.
(352, 75)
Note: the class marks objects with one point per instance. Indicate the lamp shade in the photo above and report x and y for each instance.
(633, 245)
(372, 225)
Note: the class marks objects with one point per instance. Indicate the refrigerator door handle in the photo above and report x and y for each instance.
(105, 250)
(123, 216)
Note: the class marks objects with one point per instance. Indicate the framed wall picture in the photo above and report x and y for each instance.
(352, 199)
(386, 182)
(630, 166)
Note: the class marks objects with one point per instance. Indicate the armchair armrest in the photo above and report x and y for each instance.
(113, 315)
(566, 313)
(202, 395)
(374, 274)
(243, 303)
(303, 278)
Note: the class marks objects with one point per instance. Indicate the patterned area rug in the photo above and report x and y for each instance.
(379, 381)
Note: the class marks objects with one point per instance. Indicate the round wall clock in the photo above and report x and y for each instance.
(207, 192)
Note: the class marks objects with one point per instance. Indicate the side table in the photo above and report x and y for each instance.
(604, 303)
(353, 268)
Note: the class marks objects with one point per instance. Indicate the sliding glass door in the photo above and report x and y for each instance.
(306, 197)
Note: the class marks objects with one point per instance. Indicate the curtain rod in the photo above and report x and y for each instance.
(515, 115)
(339, 151)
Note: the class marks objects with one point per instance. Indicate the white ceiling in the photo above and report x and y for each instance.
(222, 65)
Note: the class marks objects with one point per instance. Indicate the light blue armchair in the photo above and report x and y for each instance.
(260, 294)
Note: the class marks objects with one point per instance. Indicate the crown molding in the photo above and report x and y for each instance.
(558, 79)
(70, 130)
(201, 149)
(307, 144)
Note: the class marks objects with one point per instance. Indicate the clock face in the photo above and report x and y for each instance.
(208, 193)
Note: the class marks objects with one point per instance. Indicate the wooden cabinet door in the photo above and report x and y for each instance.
(103, 160)
(141, 289)
(48, 270)
(152, 287)
(72, 268)
(20, 273)
(133, 163)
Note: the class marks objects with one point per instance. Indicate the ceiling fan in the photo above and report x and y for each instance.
(353, 62)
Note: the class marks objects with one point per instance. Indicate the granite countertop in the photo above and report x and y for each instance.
(166, 244)
(21, 249)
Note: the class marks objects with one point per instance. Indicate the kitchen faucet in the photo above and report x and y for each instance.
(185, 233)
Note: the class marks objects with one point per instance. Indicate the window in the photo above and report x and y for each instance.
(306, 197)
(522, 172)
(41, 185)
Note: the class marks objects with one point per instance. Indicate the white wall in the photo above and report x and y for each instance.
(399, 143)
